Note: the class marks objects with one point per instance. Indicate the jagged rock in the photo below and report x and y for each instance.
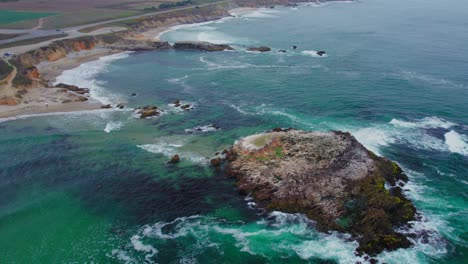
(331, 178)
(280, 129)
(186, 107)
(260, 49)
(107, 106)
(321, 53)
(81, 99)
(202, 46)
(8, 100)
(72, 88)
(203, 129)
(148, 111)
(215, 162)
(120, 106)
(139, 45)
(174, 159)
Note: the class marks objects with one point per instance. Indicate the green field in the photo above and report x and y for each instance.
(9, 16)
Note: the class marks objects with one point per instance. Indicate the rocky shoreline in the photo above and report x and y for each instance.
(329, 177)
(25, 76)
(25, 90)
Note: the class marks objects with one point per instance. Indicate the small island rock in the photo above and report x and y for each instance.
(329, 177)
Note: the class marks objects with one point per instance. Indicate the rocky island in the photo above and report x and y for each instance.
(331, 178)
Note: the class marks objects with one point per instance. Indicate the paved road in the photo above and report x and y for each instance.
(74, 31)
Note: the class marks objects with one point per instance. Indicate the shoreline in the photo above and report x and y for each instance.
(44, 100)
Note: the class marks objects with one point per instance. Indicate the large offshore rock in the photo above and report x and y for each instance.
(331, 178)
(202, 46)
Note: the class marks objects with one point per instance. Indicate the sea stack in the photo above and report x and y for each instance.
(331, 178)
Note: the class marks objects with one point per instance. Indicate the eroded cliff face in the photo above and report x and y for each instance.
(331, 178)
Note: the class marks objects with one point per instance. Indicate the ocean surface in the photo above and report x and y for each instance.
(95, 186)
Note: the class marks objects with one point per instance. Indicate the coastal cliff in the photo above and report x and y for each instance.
(331, 178)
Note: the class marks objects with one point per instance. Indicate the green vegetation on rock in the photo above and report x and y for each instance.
(5, 69)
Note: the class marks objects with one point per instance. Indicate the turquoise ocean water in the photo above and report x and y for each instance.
(94, 187)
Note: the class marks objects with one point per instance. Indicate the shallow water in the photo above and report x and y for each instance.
(95, 186)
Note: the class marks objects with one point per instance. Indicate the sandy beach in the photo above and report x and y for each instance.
(47, 100)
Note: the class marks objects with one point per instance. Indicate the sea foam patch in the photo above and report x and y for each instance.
(85, 76)
(456, 143)
(213, 234)
(313, 53)
(171, 146)
(112, 126)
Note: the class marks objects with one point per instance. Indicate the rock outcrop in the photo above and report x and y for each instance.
(260, 49)
(174, 159)
(321, 53)
(148, 111)
(139, 45)
(72, 88)
(8, 100)
(200, 45)
(331, 178)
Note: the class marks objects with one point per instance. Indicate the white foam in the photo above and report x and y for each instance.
(328, 247)
(182, 81)
(122, 256)
(303, 239)
(410, 133)
(85, 74)
(428, 79)
(202, 129)
(308, 243)
(112, 126)
(70, 114)
(373, 138)
(313, 53)
(171, 149)
(200, 32)
(139, 246)
(229, 64)
(456, 143)
(427, 122)
(259, 13)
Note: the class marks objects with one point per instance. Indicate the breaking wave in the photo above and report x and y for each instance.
(170, 147)
(415, 134)
(259, 13)
(85, 76)
(197, 234)
(456, 143)
(112, 126)
(313, 53)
